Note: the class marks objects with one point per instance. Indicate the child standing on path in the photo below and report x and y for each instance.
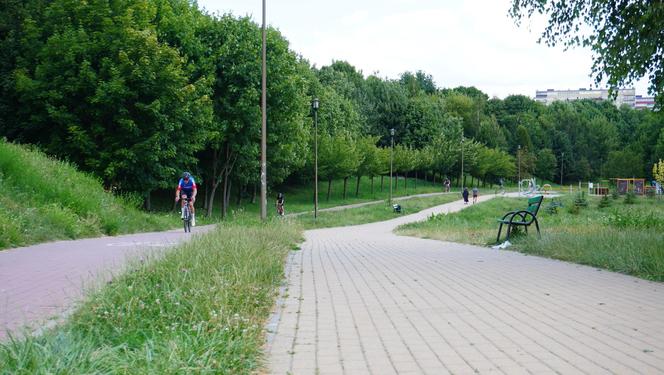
(465, 195)
(476, 193)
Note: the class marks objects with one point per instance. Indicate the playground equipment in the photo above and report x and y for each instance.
(634, 185)
(529, 187)
(598, 188)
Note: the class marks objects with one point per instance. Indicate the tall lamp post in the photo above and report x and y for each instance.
(391, 157)
(314, 107)
(518, 154)
(462, 144)
(562, 162)
(264, 126)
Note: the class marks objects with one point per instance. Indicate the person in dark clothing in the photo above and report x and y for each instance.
(465, 195)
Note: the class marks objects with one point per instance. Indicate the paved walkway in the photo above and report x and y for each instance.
(38, 284)
(361, 300)
(356, 205)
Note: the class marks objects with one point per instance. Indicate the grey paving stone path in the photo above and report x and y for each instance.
(40, 283)
(362, 300)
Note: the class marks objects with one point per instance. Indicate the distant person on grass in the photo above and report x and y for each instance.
(476, 193)
(447, 184)
(280, 204)
(187, 189)
(465, 195)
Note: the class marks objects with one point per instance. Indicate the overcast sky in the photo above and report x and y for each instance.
(460, 43)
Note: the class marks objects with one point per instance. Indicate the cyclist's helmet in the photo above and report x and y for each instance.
(186, 175)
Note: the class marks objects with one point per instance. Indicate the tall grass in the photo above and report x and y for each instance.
(622, 238)
(199, 309)
(46, 199)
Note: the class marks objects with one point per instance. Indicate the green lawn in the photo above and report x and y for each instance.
(201, 308)
(623, 238)
(371, 213)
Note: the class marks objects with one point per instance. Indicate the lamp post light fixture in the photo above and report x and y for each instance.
(562, 162)
(264, 124)
(314, 107)
(391, 160)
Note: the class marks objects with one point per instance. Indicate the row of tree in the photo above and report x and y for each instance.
(135, 91)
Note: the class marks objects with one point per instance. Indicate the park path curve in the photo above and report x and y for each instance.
(40, 283)
(362, 300)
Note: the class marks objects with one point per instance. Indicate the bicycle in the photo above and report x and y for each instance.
(186, 214)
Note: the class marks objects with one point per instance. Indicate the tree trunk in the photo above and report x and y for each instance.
(239, 196)
(415, 180)
(253, 195)
(147, 204)
(207, 197)
(227, 201)
(434, 178)
(345, 184)
(210, 207)
(329, 189)
(372, 178)
(357, 187)
(396, 183)
(381, 182)
(405, 182)
(224, 194)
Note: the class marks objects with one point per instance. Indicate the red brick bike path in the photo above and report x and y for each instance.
(40, 283)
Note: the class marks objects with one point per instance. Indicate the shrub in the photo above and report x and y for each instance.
(604, 202)
(580, 200)
(553, 207)
(630, 198)
(614, 194)
(573, 209)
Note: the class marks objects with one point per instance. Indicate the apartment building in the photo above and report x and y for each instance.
(624, 96)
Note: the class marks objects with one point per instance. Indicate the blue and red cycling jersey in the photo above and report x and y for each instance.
(187, 187)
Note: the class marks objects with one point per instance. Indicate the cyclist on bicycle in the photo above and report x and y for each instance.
(280, 204)
(187, 189)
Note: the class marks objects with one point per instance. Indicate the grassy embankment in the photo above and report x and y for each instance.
(201, 308)
(44, 199)
(623, 237)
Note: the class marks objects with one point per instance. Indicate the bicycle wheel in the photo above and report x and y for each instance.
(186, 220)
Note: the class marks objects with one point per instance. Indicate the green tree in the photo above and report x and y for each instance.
(626, 36)
(546, 164)
(624, 163)
(105, 93)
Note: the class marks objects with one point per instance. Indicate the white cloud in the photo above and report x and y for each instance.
(469, 43)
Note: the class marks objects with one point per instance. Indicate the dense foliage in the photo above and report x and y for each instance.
(135, 91)
(625, 36)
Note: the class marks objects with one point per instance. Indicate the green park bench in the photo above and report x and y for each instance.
(521, 218)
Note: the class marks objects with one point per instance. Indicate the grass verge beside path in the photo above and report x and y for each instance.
(44, 199)
(370, 213)
(623, 238)
(200, 308)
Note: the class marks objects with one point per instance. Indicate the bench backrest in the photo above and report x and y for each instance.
(534, 204)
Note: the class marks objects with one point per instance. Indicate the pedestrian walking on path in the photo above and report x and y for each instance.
(476, 193)
(465, 195)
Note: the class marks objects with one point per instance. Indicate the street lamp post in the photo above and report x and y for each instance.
(462, 144)
(314, 106)
(562, 162)
(391, 161)
(518, 154)
(264, 126)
